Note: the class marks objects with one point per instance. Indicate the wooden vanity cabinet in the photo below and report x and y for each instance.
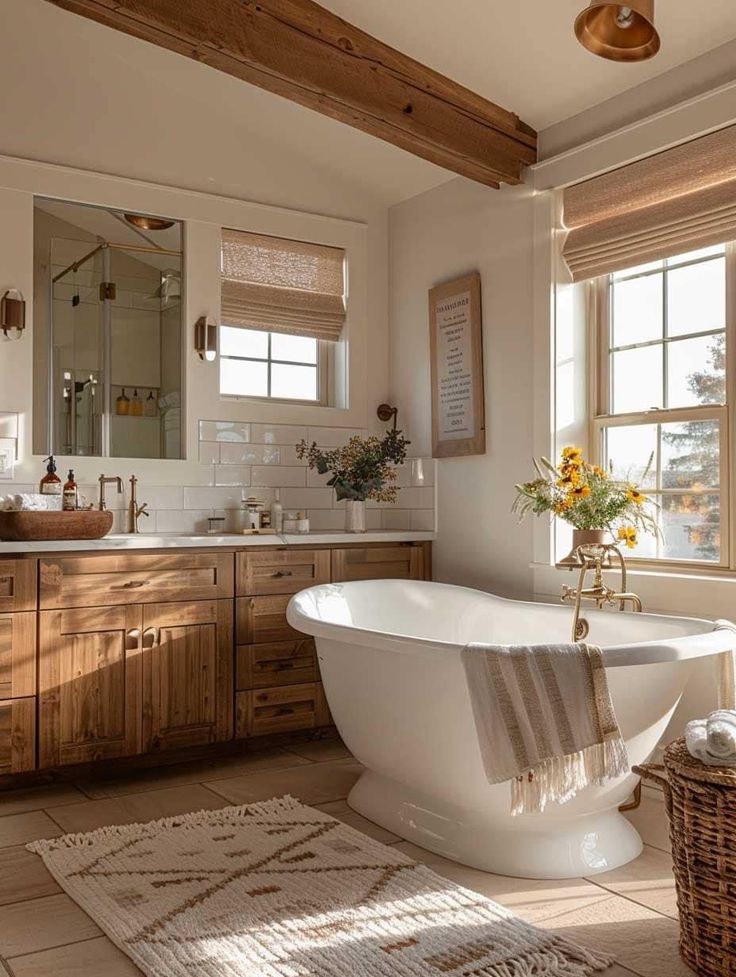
(17, 666)
(403, 561)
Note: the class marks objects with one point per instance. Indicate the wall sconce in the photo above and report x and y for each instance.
(385, 412)
(205, 339)
(12, 314)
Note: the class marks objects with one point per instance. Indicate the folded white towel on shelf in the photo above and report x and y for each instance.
(30, 502)
(544, 719)
(713, 740)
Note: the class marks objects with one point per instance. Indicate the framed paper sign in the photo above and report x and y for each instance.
(456, 351)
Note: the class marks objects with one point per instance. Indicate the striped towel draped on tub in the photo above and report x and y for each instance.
(544, 719)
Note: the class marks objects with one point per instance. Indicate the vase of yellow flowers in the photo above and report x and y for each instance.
(599, 508)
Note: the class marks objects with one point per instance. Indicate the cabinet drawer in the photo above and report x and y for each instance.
(282, 571)
(93, 581)
(281, 710)
(261, 619)
(276, 663)
(17, 655)
(378, 563)
(17, 585)
(17, 735)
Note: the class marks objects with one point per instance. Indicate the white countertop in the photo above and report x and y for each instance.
(232, 541)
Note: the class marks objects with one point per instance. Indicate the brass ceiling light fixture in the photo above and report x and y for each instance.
(619, 32)
(145, 223)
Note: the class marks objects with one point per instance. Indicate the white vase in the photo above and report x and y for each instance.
(355, 516)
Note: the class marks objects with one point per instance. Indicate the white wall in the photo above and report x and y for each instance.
(446, 232)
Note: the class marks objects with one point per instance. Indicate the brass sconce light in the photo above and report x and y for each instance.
(618, 32)
(385, 412)
(205, 339)
(12, 314)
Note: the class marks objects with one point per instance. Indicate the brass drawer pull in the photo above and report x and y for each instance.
(283, 573)
(132, 584)
(285, 711)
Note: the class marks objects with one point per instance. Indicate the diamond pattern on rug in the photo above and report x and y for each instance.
(278, 889)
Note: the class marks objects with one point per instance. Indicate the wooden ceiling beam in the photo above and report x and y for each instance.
(297, 49)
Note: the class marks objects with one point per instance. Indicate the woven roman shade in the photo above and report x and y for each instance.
(286, 286)
(679, 200)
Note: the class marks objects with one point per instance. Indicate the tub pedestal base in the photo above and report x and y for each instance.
(529, 846)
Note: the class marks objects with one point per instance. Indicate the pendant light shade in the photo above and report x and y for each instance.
(619, 32)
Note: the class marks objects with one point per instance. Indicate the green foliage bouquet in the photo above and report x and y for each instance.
(364, 468)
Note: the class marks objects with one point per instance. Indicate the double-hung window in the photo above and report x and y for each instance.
(661, 412)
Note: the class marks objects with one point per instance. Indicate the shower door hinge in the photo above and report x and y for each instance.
(107, 291)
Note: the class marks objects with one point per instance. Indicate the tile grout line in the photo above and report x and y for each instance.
(87, 939)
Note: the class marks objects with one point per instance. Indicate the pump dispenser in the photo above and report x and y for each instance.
(50, 483)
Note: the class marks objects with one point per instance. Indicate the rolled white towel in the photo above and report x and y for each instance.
(713, 740)
(34, 502)
(7, 504)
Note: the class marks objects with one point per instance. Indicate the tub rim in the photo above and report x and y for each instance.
(715, 638)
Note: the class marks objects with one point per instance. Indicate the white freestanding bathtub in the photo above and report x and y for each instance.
(389, 653)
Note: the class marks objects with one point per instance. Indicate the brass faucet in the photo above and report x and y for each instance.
(105, 480)
(597, 557)
(135, 510)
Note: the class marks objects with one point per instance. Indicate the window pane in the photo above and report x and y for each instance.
(694, 255)
(294, 382)
(637, 310)
(696, 298)
(298, 349)
(629, 449)
(696, 371)
(691, 526)
(691, 455)
(638, 269)
(243, 342)
(243, 378)
(636, 379)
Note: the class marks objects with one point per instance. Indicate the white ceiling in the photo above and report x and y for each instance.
(78, 93)
(523, 54)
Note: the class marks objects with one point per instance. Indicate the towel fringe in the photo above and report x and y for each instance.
(560, 778)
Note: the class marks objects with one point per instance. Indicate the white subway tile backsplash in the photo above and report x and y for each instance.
(277, 433)
(247, 458)
(224, 431)
(184, 521)
(333, 437)
(250, 454)
(201, 497)
(278, 476)
(209, 452)
(307, 498)
(161, 496)
(394, 518)
(232, 475)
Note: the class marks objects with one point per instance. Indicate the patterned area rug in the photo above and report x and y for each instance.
(281, 890)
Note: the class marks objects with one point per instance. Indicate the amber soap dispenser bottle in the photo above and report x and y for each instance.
(50, 483)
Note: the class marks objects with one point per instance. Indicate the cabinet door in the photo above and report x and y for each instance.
(405, 561)
(89, 684)
(17, 735)
(17, 585)
(17, 655)
(281, 571)
(263, 619)
(188, 673)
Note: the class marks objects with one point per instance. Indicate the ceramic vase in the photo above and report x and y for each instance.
(355, 516)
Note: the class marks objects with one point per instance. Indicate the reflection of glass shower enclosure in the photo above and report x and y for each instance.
(116, 352)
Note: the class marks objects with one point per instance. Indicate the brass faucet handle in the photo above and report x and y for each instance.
(143, 509)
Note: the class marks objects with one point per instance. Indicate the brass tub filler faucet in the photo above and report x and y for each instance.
(597, 557)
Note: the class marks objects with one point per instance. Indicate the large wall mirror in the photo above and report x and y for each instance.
(108, 375)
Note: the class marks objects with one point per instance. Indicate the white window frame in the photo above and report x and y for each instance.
(599, 306)
(325, 373)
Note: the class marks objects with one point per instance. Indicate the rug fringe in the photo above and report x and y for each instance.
(232, 814)
(560, 778)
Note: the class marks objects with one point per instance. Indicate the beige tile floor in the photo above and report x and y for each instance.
(630, 913)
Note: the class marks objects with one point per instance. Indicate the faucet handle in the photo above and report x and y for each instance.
(143, 509)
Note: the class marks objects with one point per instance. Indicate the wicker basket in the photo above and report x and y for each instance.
(701, 805)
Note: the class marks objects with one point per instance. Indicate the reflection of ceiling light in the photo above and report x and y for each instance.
(619, 32)
(149, 223)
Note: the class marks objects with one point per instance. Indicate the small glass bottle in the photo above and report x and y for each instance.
(122, 404)
(136, 405)
(70, 497)
(50, 483)
(277, 512)
(150, 408)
